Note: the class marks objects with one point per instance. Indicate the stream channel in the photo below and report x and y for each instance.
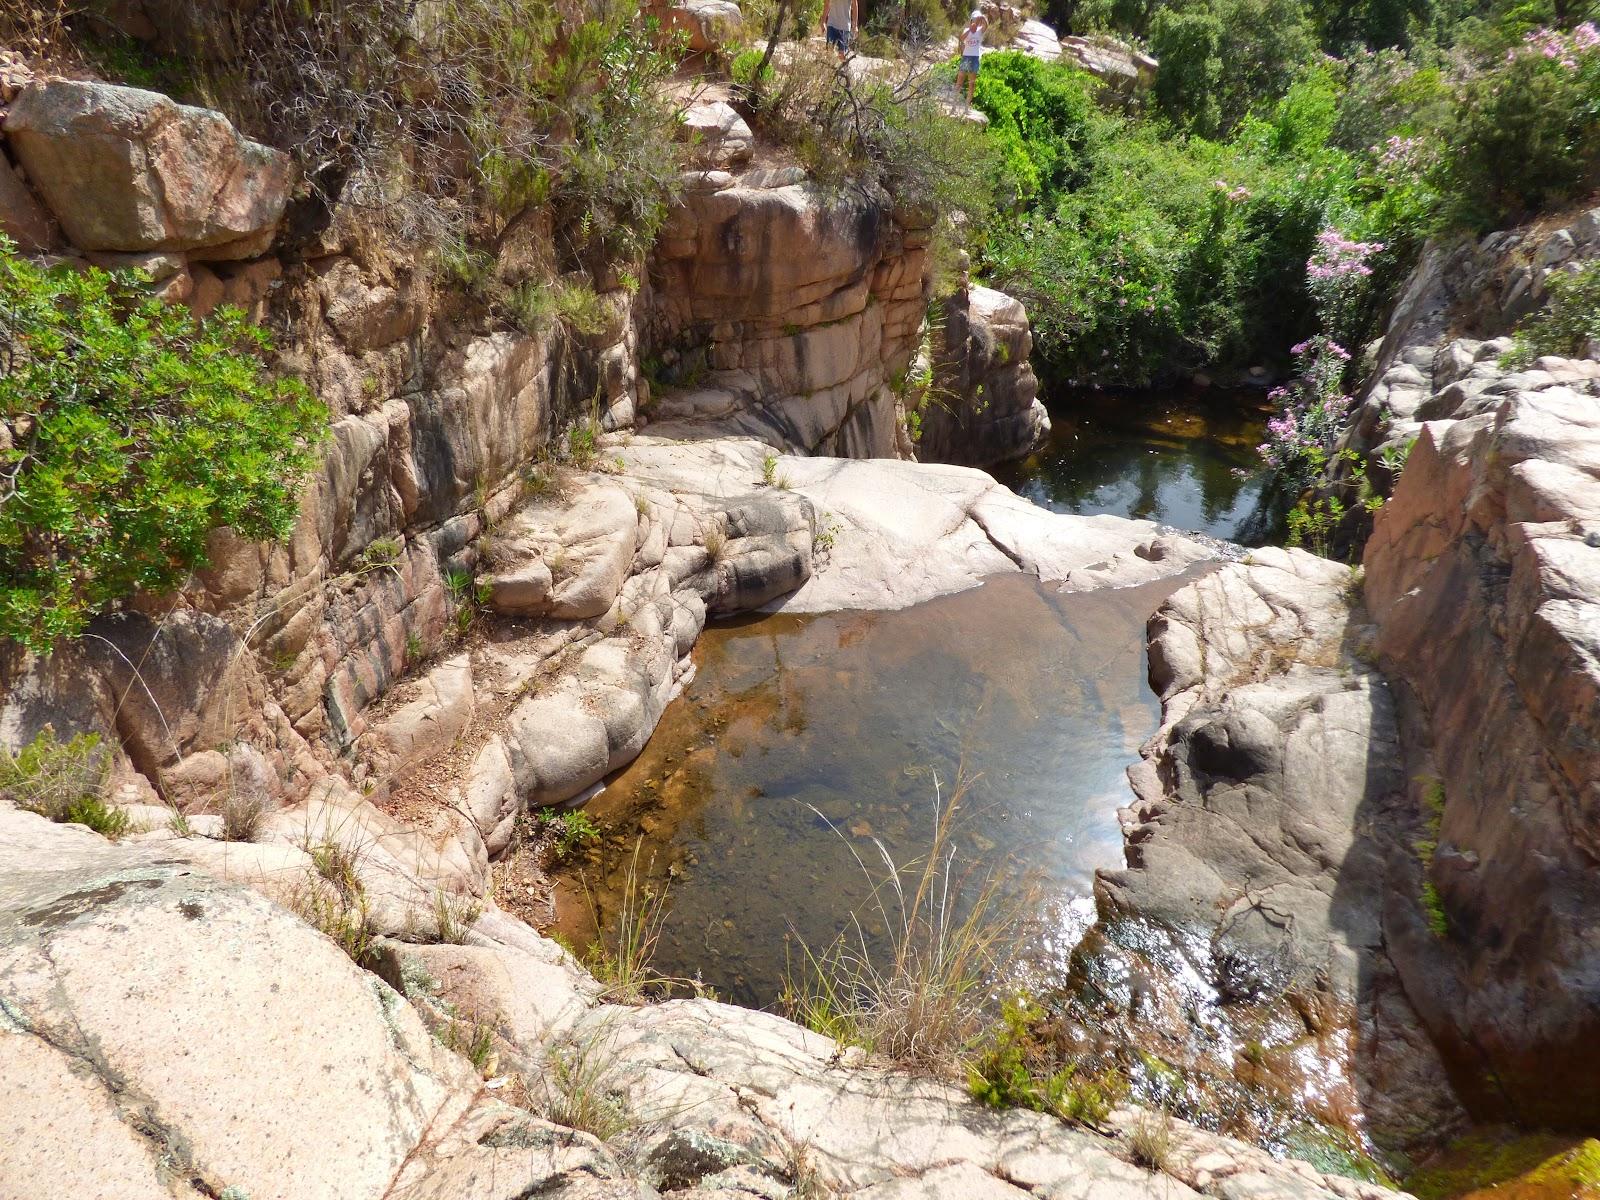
(808, 747)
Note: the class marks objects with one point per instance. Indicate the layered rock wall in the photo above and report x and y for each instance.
(786, 314)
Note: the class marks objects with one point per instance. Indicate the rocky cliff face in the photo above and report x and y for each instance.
(1484, 574)
(1371, 800)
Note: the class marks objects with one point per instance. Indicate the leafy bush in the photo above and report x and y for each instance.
(1525, 133)
(62, 781)
(1220, 59)
(128, 432)
(1568, 323)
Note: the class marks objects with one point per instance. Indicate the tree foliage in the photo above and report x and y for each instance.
(128, 432)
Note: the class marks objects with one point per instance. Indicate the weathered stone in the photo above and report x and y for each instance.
(718, 136)
(129, 170)
(162, 1082)
(708, 24)
(22, 218)
(989, 410)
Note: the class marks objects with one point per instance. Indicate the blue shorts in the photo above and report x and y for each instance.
(839, 38)
(969, 63)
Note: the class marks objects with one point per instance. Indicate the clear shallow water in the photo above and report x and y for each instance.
(1173, 457)
(804, 738)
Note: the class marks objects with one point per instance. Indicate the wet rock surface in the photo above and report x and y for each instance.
(1247, 940)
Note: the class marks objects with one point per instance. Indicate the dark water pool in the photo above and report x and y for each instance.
(804, 738)
(1184, 458)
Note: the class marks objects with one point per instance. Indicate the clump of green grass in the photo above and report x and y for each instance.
(344, 918)
(473, 1039)
(581, 1086)
(63, 781)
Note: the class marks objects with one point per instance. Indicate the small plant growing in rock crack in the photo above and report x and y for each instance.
(178, 825)
(1433, 800)
(344, 918)
(641, 504)
(454, 915)
(63, 781)
(336, 864)
(473, 1040)
(581, 1087)
(769, 470)
(1395, 455)
(537, 482)
(567, 830)
(1150, 1141)
(583, 441)
(381, 554)
(415, 650)
(716, 541)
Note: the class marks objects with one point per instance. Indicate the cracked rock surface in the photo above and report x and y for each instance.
(165, 1034)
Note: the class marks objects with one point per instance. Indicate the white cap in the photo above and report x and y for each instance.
(977, 15)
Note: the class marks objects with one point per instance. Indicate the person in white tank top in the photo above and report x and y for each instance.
(839, 21)
(971, 53)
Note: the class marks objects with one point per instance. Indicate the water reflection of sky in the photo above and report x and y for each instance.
(804, 738)
(1185, 459)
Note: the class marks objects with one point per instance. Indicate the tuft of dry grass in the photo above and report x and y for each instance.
(920, 997)
(242, 814)
(454, 916)
(716, 541)
(1150, 1141)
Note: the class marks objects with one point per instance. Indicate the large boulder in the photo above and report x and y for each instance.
(708, 25)
(1263, 855)
(124, 169)
(165, 1031)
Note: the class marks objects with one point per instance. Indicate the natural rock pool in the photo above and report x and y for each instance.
(803, 738)
(1183, 458)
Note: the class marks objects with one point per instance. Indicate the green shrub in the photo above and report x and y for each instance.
(62, 781)
(570, 829)
(1013, 1071)
(1568, 322)
(128, 432)
(1525, 134)
(1221, 59)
